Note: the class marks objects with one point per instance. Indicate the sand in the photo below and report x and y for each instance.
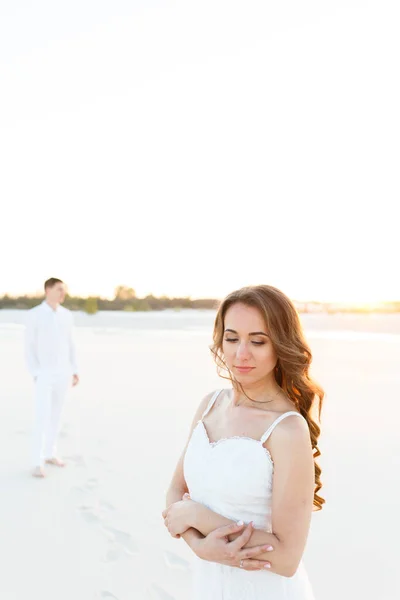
(93, 530)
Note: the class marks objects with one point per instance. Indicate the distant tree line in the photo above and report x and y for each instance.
(125, 299)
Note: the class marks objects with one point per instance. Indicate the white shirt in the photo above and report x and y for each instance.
(49, 347)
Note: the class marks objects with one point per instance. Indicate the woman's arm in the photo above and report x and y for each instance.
(292, 499)
(216, 547)
(178, 487)
(174, 495)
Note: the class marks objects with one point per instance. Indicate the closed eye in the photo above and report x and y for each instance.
(236, 340)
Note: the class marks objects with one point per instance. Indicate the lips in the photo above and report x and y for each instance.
(244, 369)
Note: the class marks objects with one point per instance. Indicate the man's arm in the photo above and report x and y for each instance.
(72, 349)
(31, 358)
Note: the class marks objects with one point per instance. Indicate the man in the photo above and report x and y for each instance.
(50, 357)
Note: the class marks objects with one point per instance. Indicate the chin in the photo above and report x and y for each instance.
(245, 378)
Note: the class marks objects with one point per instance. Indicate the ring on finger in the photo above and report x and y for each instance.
(241, 564)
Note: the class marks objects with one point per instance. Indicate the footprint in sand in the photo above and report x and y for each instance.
(106, 505)
(160, 593)
(114, 553)
(77, 459)
(99, 506)
(120, 542)
(173, 561)
(122, 539)
(91, 483)
(88, 513)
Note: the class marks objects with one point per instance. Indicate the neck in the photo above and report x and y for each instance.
(262, 394)
(53, 305)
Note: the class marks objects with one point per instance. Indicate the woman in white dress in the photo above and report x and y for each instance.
(245, 486)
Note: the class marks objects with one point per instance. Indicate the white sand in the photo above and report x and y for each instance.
(94, 531)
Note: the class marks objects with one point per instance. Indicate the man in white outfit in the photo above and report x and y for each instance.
(51, 360)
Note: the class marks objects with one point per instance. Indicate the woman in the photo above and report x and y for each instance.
(244, 489)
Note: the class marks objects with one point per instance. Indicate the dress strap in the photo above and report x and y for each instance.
(211, 403)
(276, 422)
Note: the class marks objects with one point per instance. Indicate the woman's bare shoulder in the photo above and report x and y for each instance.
(292, 433)
(202, 407)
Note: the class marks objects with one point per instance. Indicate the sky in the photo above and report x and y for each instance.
(190, 148)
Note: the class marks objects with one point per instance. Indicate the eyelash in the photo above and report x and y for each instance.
(235, 340)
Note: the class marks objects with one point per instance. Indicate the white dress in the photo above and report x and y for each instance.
(233, 477)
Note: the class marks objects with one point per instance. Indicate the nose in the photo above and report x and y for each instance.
(242, 351)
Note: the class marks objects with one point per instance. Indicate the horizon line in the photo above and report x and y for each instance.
(39, 295)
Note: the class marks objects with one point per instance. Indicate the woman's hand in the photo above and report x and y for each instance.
(179, 517)
(216, 547)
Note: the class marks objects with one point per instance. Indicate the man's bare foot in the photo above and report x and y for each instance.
(55, 461)
(38, 472)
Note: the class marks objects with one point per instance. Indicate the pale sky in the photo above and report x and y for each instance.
(189, 148)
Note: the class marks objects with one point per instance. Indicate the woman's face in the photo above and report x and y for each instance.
(246, 346)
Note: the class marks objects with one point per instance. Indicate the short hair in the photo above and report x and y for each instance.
(51, 282)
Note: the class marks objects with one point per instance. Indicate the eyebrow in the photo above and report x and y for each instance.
(252, 333)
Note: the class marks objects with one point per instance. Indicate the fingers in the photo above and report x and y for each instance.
(251, 564)
(166, 523)
(166, 511)
(254, 551)
(222, 532)
(242, 539)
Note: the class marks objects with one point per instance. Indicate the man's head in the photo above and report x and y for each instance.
(55, 290)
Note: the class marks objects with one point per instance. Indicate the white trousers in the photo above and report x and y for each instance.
(50, 393)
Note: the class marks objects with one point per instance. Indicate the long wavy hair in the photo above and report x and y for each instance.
(293, 357)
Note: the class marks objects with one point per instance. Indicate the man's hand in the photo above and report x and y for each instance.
(75, 380)
(216, 547)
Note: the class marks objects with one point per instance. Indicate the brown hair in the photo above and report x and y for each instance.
(51, 282)
(294, 356)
